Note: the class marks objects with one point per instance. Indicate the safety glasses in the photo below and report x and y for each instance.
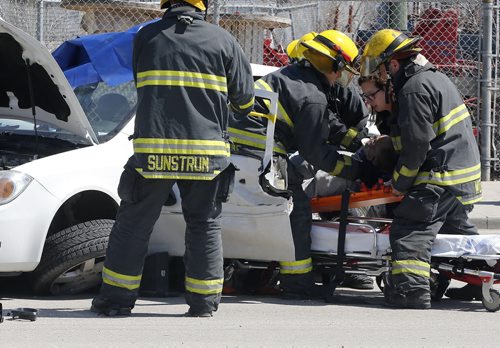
(371, 96)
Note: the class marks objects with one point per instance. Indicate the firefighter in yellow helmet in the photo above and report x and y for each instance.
(305, 92)
(295, 50)
(188, 73)
(439, 182)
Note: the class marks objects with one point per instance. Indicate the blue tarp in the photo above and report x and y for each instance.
(99, 57)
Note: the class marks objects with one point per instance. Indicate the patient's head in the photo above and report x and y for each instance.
(112, 107)
(381, 153)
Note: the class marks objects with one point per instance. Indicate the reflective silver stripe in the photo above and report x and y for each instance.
(454, 116)
(120, 280)
(282, 114)
(258, 141)
(451, 177)
(204, 287)
(296, 267)
(411, 266)
(181, 79)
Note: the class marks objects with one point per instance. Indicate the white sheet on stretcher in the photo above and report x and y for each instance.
(361, 239)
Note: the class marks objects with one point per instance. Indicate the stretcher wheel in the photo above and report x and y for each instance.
(495, 304)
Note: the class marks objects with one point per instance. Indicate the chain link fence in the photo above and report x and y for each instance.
(452, 33)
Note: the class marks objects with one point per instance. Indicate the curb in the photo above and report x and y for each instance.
(486, 222)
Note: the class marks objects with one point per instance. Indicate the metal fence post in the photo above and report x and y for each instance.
(486, 125)
(216, 16)
(40, 19)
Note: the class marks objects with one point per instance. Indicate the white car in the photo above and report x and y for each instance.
(61, 156)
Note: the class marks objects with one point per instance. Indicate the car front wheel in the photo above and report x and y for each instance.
(72, 259)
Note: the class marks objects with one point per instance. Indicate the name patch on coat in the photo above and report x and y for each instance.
(178, 163)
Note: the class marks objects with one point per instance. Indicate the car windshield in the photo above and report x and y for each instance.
(108, 108)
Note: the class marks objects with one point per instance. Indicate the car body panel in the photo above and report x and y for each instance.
(24, 224)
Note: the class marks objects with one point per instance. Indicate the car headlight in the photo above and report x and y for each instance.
(12, 184)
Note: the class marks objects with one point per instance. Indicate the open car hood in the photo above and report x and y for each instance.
(26, 65)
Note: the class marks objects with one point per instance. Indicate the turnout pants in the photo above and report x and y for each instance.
(296, 276)
(142, 201)
(423, 212)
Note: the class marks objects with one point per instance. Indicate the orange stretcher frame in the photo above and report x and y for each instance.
(358, 199)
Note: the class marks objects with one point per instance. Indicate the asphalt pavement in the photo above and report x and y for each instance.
(358, 319)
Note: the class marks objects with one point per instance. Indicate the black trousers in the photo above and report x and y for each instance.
(301, 223)
(142, 201)
(424, 212)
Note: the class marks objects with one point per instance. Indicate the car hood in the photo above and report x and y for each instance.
(30, 75)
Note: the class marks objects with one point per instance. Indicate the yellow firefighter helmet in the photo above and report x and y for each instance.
(382, 46)
(199, 4)
(339, 50)
(295, 50)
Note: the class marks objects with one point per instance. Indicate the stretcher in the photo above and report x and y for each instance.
(345, 246)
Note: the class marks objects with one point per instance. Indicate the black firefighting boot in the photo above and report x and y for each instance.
(111, 307)
(198, 314)
(418, 299)
(357, 281)
(467, 293)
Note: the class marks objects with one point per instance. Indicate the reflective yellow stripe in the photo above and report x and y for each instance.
(258, 141)
(282, 114)
(396, 143)
(121, 280)
(178, 175)
(177, 73)
(408, 172)
(341, 163)
(182, 146)
(349, 137)
(395, 176)
(121, 276)
(296, 267)
(204, 287)
(451, 177)
(405, 171)
(181, 78)
(411, 266)
(247, 105)
(180, 141)
(475, 199)
(455, 116)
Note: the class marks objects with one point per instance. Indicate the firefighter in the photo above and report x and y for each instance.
(186, 72)
(295, 50)
(304, 113)
(438, 169)
(347, 127)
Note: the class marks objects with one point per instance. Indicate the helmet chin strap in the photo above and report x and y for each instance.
(385, 76)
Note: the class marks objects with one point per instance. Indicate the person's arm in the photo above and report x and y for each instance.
(348, 118)
(414, 117)
(311, 133)
(240, 81)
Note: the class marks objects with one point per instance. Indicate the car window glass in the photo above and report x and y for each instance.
(108, 108)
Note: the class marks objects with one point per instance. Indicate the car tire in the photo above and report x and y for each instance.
(72, 259)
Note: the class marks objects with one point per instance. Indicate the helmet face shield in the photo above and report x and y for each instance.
(345, 78)
(369, 65)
